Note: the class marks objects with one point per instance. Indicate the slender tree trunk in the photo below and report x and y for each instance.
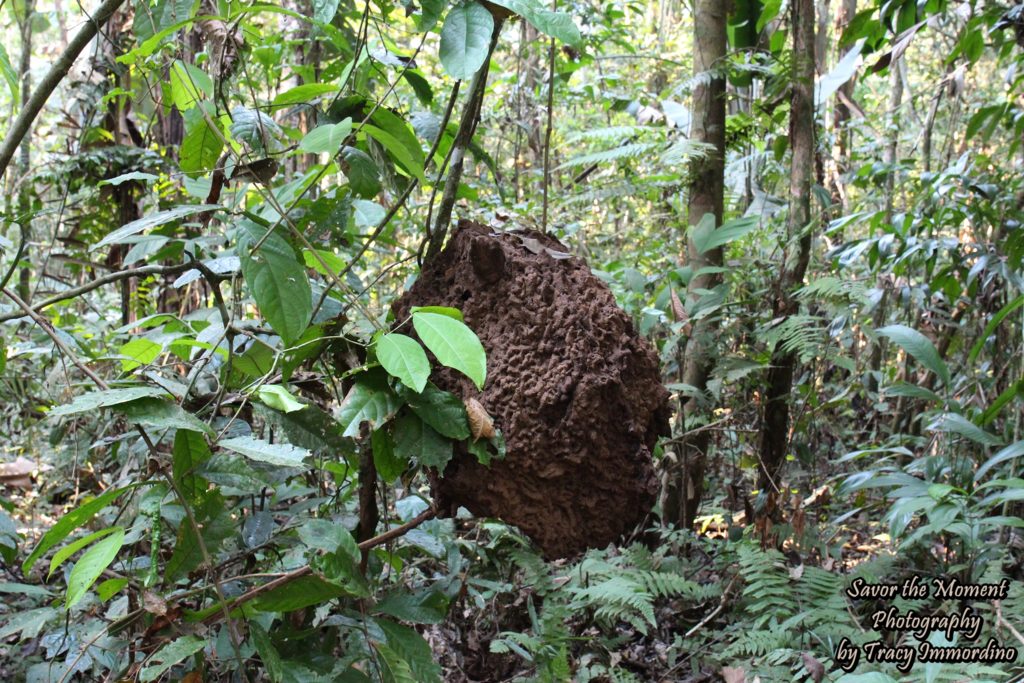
(775, 424)
(24, 165)
(841, 113)
(684, 483)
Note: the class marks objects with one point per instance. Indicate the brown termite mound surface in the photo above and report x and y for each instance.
(571, 385)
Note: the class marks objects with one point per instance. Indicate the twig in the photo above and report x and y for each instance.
(715, 612)
(54, 76)
(369, 543)
(547, 132)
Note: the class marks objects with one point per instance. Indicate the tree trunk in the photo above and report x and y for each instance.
(841, 113)
(775, 424)
(684, 480)
(24, 166)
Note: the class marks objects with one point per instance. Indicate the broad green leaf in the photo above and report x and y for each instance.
(1014, 450)
(71, 548)
(398, 670)
(104, 399)
(416, 439)
(302, 592)
(706, 237)
(278, 454)
(404, 358)
(109, 588)
(912, 391)
(127, 177)
(201, 146)
(152, 221)
(268, 653)
(91, 564)
(277, 280)
(216, 524)
(420, 607)
(1013, 391)
(440, 310)
(918, 346)
(388, 465)
(310, 428)
(10, 75)
(3, 355)
(139, 351)
(328, 536)
(189, 85)
(455, 345)
(303, 93)
(255, 129)
(152, 17)
(28, 623)
(328, 137)
(442, 410)
(324, 10)
(958, 424)
(412, 648)
(190, 453)
(170, 655)
(369, 400)
(829, 84)
(558, 25)
(156, 412)
(71, 521)
(406, 155)
(279, 398)
(427, 18)
(366, 213)
(465, 38)
(361, 172)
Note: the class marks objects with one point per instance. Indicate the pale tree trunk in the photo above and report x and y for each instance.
(24, 165)
(841, 113)
(889, 158)
(775, 423)
(684, 481)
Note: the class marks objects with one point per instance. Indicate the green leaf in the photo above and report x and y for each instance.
(255, 129)
(268, 653)
(324, 10)
(991, 327)
(278, 281)
(328, 137)
(169, 655)
(1014, 450)
(302, 592)
(427, 18)
(71, 548)
(420, 607)
(406, 152)
(388, 465)
(410, 646)
(361, 172)
(369, 400)
(71, 521)
(958, 424)
(214, 518)
(416, 439)
(201, 146)
(453, 343)
(10, 75)
(152, 221)
(156, 412)
(279, 398)
(706, 237)
(153, 17)
(404, 358)
(558, 25)
(918, 346)
(442, 410)
(190, 453)
(440, 310)
(109, 588)
(465, 38)
(303, 93)
(104, 399)
(312, 429)
(91, 565)
(328, 536)
(3, 355)
(277, 454)
(189, 85)
(138, 352)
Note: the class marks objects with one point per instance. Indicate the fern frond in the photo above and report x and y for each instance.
(803, 335)
(634, 150)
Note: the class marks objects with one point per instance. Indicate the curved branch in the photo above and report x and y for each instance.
(53, 77)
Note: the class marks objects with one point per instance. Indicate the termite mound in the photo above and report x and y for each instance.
(572, 386)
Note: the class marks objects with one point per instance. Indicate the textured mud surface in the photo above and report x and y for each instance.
(571, 385)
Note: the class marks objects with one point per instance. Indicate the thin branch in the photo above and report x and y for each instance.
(104, 280)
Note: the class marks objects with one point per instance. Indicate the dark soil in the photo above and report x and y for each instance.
(571, 385)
